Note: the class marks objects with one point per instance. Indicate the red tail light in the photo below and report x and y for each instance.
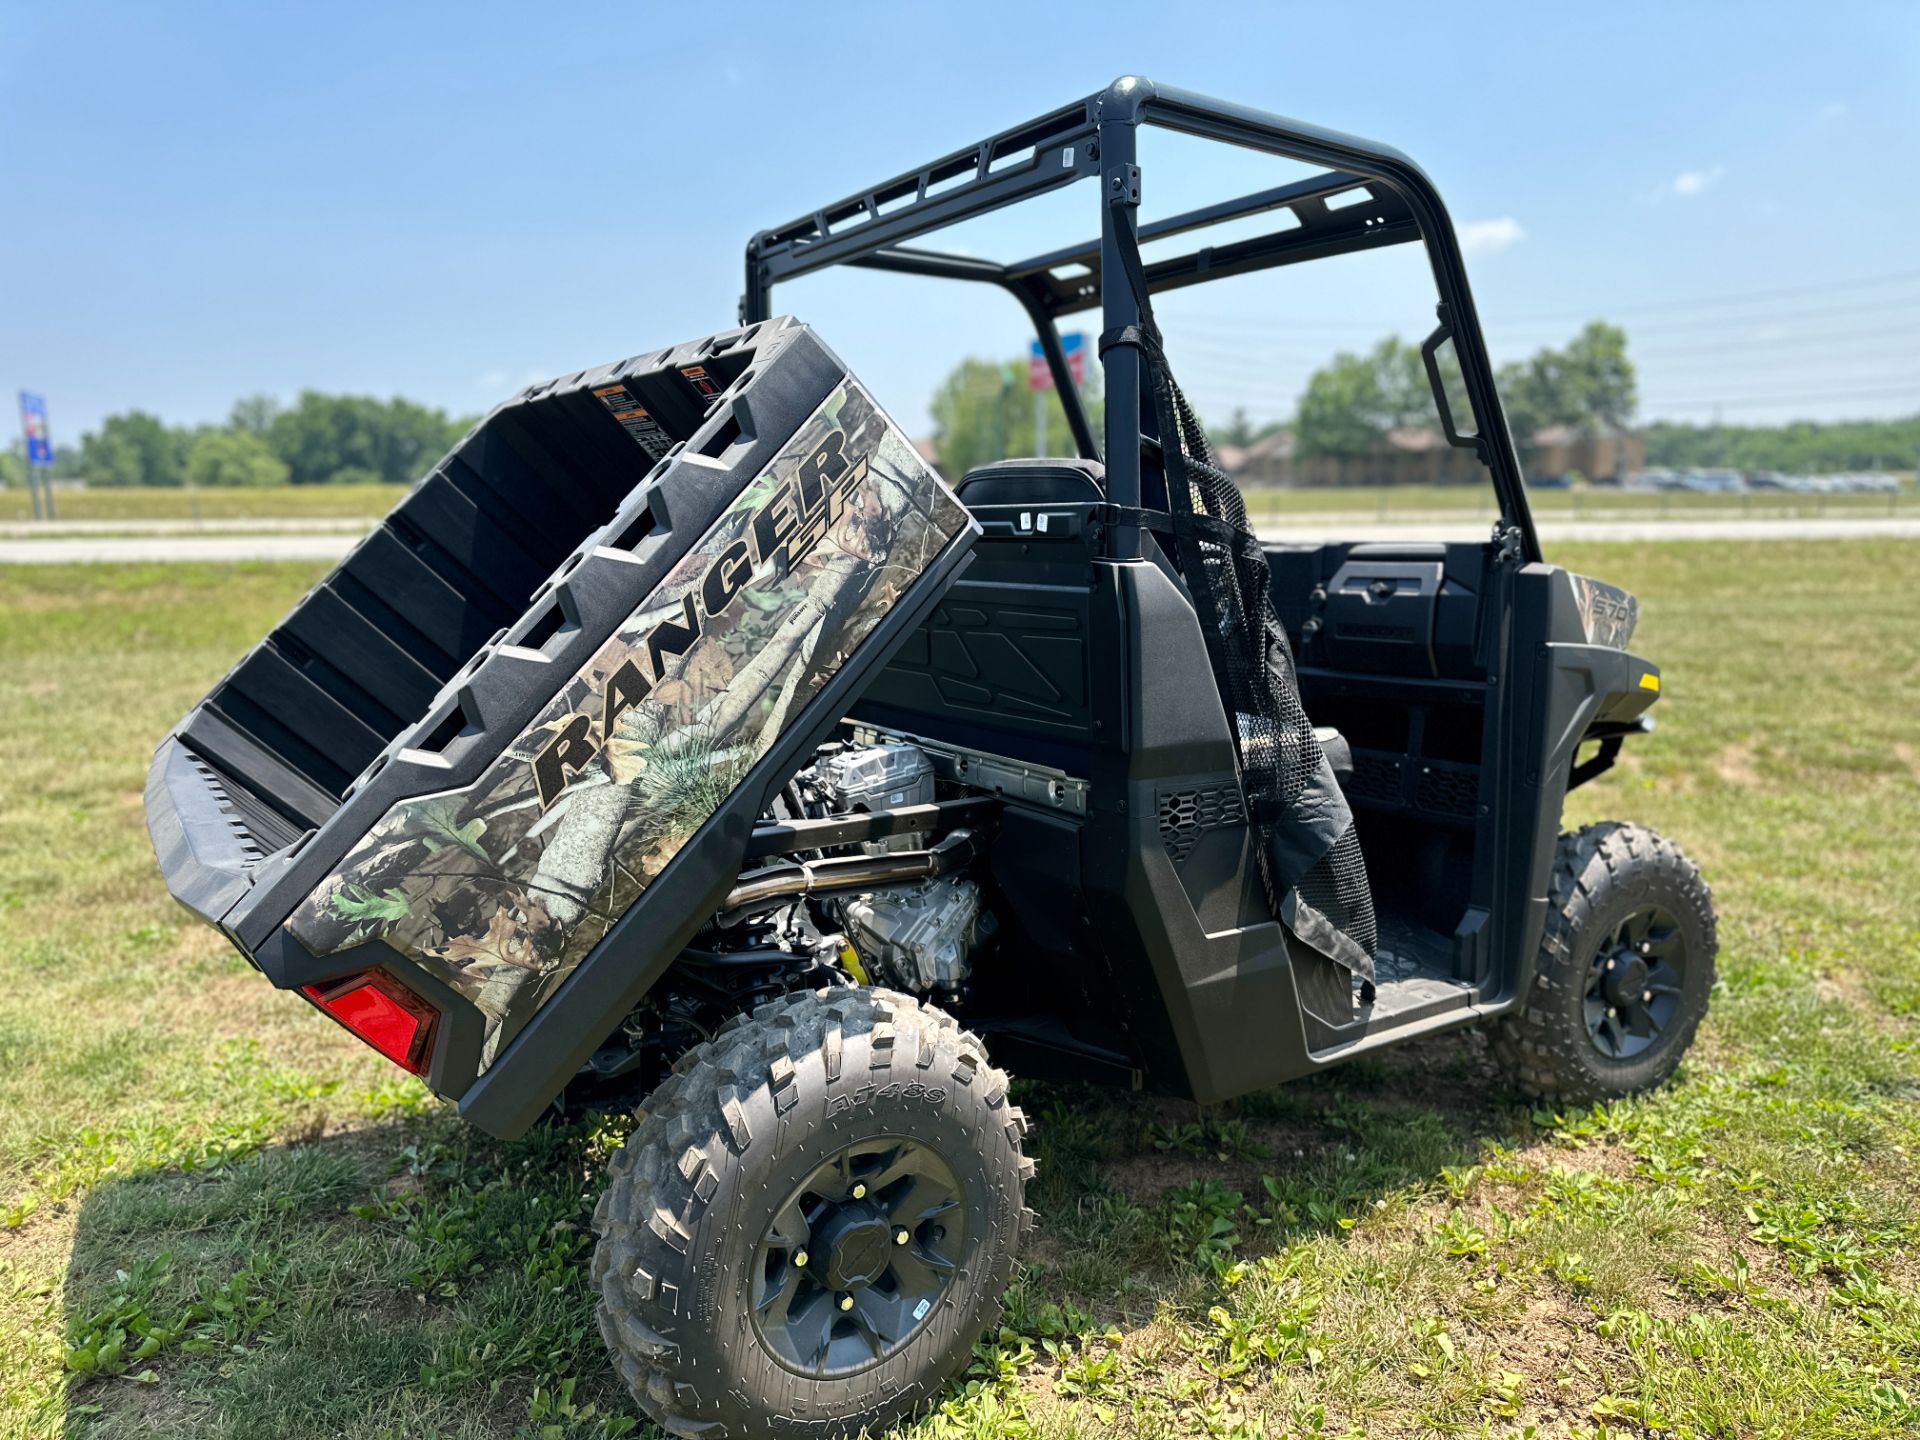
(383, 1012)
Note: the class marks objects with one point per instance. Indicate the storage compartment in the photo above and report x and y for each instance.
(554, 687)
(1380, 616)
(1382, 608)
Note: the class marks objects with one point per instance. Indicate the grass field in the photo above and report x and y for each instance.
(222, 1218)
(290, 502)
(371, 501)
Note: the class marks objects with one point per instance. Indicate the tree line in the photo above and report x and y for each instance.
(1351, 405)
(1804, 447)
(1356, 401)
(318, 440)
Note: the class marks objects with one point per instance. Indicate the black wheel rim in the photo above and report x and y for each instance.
(858, 1257)
(1634, 988)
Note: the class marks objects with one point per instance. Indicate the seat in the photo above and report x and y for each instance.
(1052, 481)
(1043, 481)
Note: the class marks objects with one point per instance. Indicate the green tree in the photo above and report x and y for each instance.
(233, 457)
(983, 412)
(322, 435)
(1589, 385)
(1800, 447)
(1352, 403)
(1237, 431)
(132, 449)
(254, 413)
(13, 464)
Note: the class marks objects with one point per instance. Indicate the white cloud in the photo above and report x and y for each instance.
(1490, 237)
(1692, 182)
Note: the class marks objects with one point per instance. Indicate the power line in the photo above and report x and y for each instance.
(1277, 348)
(1711, 302)
(1775, 342)
(1882, 346)
(1235, 325)
(1892, 365)
(1852, 393)
(1869, 307)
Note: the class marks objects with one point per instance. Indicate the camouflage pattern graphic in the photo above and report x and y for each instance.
(504, 887)
(1607, 613)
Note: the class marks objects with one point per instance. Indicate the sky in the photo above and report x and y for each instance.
(449, 201)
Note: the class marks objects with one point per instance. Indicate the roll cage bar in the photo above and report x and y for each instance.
(1097, 138)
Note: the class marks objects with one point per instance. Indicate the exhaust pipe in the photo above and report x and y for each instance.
(847, 872)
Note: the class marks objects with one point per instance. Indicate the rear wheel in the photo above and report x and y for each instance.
(1624, 970)
(814, 1220)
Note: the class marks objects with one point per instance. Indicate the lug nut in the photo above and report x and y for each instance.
(800, 1257)
(1612, 963)
(1646, 947)
(900, 1237)
(1646, 997)
(1611, 1012)
(846, 1302)
(860, 1192)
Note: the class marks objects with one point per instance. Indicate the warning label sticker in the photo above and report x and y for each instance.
(698, 377)
(635, 420)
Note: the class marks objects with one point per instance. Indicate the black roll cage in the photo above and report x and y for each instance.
(1096, 137)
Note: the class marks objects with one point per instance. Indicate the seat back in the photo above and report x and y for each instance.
(1003, 663)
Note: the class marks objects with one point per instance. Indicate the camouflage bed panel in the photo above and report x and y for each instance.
(504, 887)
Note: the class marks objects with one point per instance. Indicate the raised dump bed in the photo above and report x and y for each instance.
(549, 694)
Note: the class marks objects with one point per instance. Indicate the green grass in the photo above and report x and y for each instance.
(371, 501)
(293, 502)
(222, 1218)
(1587, 502)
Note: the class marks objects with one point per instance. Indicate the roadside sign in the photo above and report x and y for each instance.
(1074, 346)
(33, 423)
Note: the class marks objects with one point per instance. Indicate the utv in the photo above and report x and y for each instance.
(808, 797)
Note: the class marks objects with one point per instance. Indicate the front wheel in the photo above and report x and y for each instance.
(1624, 970)
(814, 1220)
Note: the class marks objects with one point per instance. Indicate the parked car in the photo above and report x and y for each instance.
(1714, 482)
(1654, 479)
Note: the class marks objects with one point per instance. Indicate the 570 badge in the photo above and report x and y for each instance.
(780, 535)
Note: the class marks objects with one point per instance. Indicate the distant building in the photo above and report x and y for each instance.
(1610, 452)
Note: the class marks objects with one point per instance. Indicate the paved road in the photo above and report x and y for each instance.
(1313, 529)
(149, 549)
(262, 525)
(1303, 529)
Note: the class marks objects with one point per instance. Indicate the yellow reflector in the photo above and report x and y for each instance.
(1650, 682)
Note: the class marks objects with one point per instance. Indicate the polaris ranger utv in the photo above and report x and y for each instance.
(683, 732)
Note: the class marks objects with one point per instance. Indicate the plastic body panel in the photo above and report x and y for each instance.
(235, 758)
(1380, 615)
(1151, 933)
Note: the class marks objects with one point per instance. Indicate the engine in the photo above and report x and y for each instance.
(907, 917)
(917, 936)
(861, 778)
(920, 936)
